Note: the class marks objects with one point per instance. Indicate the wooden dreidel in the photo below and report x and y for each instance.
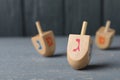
(44, 42)
(104, 36)
(78, 49)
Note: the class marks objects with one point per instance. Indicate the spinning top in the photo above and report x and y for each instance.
(104, 36)
(44, 42)
(78, 49)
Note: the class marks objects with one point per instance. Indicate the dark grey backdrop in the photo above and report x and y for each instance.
(17, 17)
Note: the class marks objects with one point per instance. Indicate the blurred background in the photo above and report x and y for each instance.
(17, 17)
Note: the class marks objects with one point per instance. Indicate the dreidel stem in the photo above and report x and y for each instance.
(39, 28)
(107, 25)
(84, 26)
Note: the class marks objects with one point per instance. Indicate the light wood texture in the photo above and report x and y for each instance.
(39, 27)
(104, 36)
(78, 49)
(107, 26)
(44, 42)
(84, 26)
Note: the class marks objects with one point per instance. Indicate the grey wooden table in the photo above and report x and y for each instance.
(20, 61)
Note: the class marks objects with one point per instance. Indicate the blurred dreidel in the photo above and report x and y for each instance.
(104, 36)
(78, 49)
(44, 42)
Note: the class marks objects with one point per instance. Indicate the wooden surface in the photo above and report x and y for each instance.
(20, 61)
(77, 11)
(17, 17)
(11, 18)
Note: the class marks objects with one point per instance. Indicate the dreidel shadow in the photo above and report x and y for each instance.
(104, 36)
(78, 49)
(44, 42)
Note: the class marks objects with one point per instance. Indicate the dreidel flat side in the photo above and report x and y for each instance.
(39, 44)
(78, 49)
(50, 42)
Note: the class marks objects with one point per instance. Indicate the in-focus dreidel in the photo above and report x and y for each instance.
(104, 36)
(78, 49)
(44, 42)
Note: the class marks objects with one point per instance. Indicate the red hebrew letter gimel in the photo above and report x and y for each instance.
(78, 45)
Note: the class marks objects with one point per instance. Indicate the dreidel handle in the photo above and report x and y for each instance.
(107, 25)
(84, 26)
(39, 28)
